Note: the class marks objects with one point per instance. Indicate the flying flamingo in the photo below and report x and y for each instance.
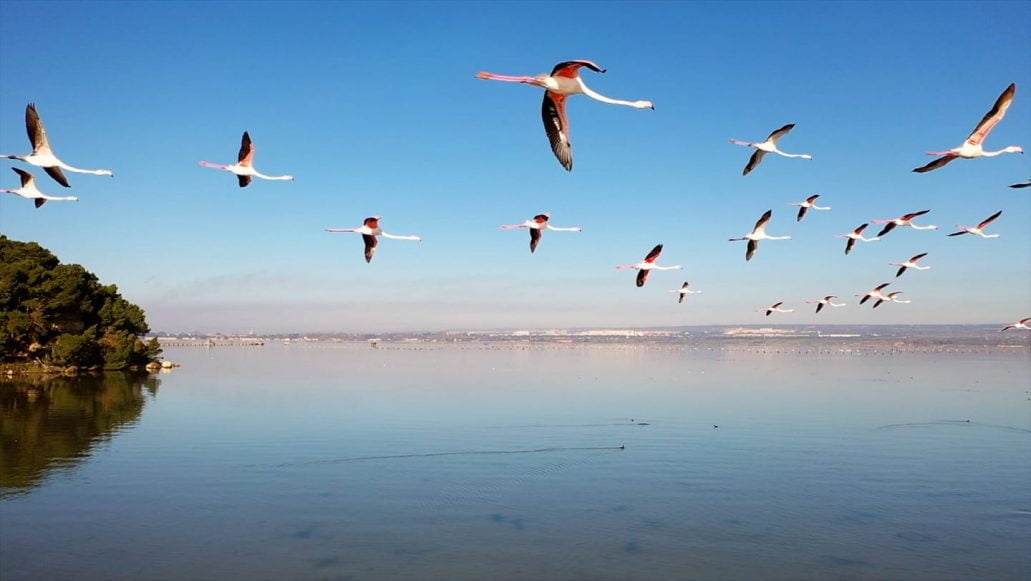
(911, 263)
(971, 148)
(775, 308)
(768, 146)
(684, 291)
(42, 156)
(563, 81)
(1021, 324)
(758, 233)
(890, 298)
(874, 294)
(906, 220)
(370, 230)
(29, 191)
(856, 234)
(244, 168)
(979, 229)
(809, 202)
(647, 265)
(826, 301)
(537, 225)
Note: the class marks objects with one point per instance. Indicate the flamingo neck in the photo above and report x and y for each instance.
(599, 97)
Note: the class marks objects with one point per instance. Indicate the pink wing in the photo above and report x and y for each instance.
(246, 156)
(556, 125)
(570, 69)
(994, 116)
(654, 254)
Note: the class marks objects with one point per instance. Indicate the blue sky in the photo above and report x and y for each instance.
(376, 110)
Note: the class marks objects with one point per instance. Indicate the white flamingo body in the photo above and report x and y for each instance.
(826, 301)
(768, 146)
(684, 291)
(904, 221)
(854, 236)
(43, 156)
(371, 232)
(29, 191)
(758, 233)
(776, 308)
(537, 225)
(244, 166)
(972, 147)
(647, 265)
(979, 229)
(563, 82)
(911, 263)
(1021, 324)
(809, 203)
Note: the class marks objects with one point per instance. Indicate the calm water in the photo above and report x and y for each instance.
(340, 461)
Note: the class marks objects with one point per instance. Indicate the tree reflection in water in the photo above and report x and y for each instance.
(50, 423)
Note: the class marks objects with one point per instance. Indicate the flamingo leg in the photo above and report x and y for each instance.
(507, 78)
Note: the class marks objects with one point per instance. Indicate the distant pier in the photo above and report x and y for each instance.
(226, 342)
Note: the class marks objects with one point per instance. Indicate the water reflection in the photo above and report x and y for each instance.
(53, 422)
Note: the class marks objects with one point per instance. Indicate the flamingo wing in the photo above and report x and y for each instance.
(878, 303)
(26, 177)
(901, 270)
(753, 245)
(960, 233)
(246, 155)
(935, 164)
(918, 257)
(571, 69)
(881, 286)
(819, 307)
(40, 202)
(642, 277)
(848, 245)
(58, 175)
(992, 118)
(535, 238)
(989, 220)
(763, 220)
(909, 217)
(887, 228)
(556, 125)
(244, 181)
(34, 127)
(753, 161)
(801, 213)
(860, 229)
(371, 222)
(370, 246)
(773, 137)
(541, 218)
(1023, 185)
(812, 198)
(654, 254)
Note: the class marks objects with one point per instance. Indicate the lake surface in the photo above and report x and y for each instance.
(467, 462)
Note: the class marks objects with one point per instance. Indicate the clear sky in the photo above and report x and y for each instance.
(376, 110)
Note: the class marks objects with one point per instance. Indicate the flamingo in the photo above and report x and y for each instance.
(911, 263)
(1021, 324)
(537, 225)
(890, 298)
(971, 148)
(854, 235)
(370, 230)
(979, 229)
(29, 191)
(42, 156)
(768, 146)
(684, 291)
(563, 81)
(874, 294)
(809, 202)
(826, 301)
(758, 233)
(775, 308)
(647, 265)
(906, 220)
(244, 168)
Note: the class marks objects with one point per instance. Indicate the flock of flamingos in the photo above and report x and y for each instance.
(563, 82)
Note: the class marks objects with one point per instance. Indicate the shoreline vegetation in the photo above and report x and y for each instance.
(58, 318)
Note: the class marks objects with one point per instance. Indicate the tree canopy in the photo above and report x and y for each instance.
(61, 314)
